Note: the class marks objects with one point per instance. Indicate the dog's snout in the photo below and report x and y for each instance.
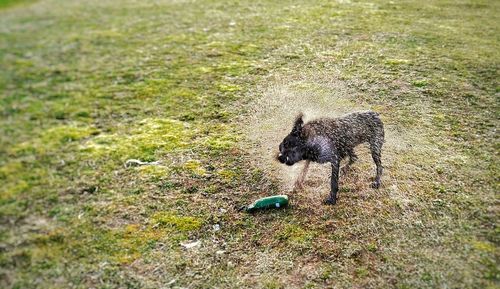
(281, 158)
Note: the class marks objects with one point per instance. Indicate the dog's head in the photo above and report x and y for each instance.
(293, 147)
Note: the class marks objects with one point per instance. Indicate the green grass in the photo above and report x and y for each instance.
(9, 3)
(177, 82)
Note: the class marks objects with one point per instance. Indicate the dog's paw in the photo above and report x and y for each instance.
(375, 185)
(330, 201)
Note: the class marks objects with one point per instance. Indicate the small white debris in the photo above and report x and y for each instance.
(220, 252)
(171, 282)
(191, 244)
(134, 162)
(216, 227)
(103, 264)
(232, 23)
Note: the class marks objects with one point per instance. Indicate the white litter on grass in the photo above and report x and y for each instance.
(191, 244)
(134, 162)
(216, 227)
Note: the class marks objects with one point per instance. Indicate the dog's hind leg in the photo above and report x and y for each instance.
(299, 183)
(376, 150)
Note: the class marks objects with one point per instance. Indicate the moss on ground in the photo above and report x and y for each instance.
(10, 3)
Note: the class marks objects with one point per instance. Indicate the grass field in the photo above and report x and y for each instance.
(209, 88)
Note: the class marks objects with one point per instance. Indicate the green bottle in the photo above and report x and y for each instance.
(279, 201)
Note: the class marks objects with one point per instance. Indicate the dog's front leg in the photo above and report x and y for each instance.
(332, 199)
(299, 183)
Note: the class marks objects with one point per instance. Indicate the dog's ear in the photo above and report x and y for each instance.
(299, 123)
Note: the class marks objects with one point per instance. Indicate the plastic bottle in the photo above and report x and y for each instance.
(278, 201)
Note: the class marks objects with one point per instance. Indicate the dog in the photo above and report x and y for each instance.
(331, 140)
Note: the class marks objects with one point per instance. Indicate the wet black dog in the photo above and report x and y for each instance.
(330, 140)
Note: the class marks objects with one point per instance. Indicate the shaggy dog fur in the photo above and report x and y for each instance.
(330, 140)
